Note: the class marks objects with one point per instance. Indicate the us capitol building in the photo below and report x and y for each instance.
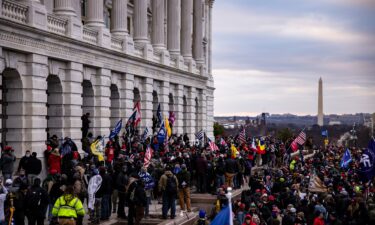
(60, 59)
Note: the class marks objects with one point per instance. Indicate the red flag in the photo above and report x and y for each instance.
(137, 109)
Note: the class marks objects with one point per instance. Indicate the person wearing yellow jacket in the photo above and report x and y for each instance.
(68, 207)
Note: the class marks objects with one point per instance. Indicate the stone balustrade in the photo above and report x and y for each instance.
(116, 43)
(56, 24)
(90, 35)
(14, 11)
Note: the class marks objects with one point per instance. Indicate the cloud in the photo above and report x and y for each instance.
(269, 55)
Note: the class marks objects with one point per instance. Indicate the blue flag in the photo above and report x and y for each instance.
(325, 133)
(346, 159)
(116, 130)
(222, 218)
(367, 168)
(161, 134)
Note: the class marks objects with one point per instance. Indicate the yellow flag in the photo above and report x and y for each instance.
(234, 151)
(94, 149)
(326, 141)
(168, 127)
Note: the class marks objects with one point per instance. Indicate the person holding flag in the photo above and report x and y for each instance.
(116, 130)
(346, 159)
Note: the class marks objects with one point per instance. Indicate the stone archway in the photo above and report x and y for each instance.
(88, 101)
(171, 102)
(137, 95)
(115, 105)
(11, 108)
(54, 107)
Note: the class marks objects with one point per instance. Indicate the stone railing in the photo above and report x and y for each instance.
(14, 11)
(56, 24)
(116, 43)
(173, 62)
(157, 56)
(138, 50)
(90, 35)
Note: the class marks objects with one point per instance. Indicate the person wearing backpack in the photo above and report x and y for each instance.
(168, 185)
(36, 203)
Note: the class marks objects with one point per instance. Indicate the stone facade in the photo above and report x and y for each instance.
(60, 59)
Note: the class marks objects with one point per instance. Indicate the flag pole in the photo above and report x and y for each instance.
(229, 196)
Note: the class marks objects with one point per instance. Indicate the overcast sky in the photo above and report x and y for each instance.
(268, 56)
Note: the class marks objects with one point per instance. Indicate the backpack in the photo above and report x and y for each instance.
(171, 186)
(34, 198)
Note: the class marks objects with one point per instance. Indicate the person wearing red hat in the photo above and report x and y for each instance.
(248, 220)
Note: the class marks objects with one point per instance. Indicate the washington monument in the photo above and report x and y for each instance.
(320, 103)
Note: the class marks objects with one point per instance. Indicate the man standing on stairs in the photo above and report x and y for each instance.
(184, 188)
(168, 185)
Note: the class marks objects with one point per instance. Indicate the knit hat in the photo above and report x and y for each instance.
(202, 213)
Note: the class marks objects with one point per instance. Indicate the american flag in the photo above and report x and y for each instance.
(222, 142)
(301, 138)
(199, 135)
(148, 156)
(212, 145)
(242, 136)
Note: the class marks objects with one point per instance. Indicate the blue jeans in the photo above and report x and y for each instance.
(169, 202)
(220, 180)
(147, 206)
(106, 206)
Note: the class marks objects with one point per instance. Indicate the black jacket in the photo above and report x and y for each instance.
(35, 166)
(183, 176)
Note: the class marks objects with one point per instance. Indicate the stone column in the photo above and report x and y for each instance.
(119, 18)
(95, 13)
(158, 18)
(140, 21)
(34, 107)
(72, 102)
(146, 103)
(174, 26)
(211, 2)
(164, 98)
(191, 113)
(179, 107)
(101, 84)
(64, 8)
(210, 112)
(186, 28)
(128, 95)
(198, 32)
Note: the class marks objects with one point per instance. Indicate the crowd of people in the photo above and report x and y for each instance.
(129, 171)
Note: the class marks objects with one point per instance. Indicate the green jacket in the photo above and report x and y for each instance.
(68, 206)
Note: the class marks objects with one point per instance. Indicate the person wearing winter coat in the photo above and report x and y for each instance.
(35, 168)
(168, 185)
(54, 161)
(36, 203)
(149, 184)
(184, 188)
(25, 162)
(7, 162)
